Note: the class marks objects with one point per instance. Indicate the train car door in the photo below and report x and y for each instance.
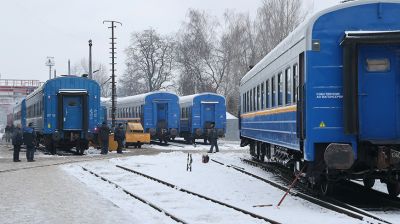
(378, 89)
(72, 119)
(207, 113)
(162, 115)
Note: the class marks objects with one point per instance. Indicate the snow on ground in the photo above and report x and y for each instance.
(199, 146)
(47, 196)
(209, 179)
(393, 216)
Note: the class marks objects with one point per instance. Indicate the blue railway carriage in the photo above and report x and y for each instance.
(19, 113)
(158, 112)
(198, 112)
(65, 112)
(327, 97)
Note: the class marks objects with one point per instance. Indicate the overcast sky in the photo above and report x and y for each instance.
(33, 30)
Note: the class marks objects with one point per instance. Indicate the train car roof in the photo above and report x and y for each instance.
(303, 31)
(136, 98)
(53, 80)
(190, 98)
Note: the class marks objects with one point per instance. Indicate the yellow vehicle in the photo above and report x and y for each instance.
(135, 135)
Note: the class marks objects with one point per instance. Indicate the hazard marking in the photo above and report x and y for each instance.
(322, 124)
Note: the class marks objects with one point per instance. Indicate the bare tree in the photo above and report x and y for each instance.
(275, 20)
(238, 43)
(202, 63)
(100, 74)
(149, 62)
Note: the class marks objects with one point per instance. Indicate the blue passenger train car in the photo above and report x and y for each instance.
(327, 97)
(158, 112)
(65, 112)
(19, 113)
(198, 112)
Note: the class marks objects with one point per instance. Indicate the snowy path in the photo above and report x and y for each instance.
(182, 205)
(48, 195)
(213, 181)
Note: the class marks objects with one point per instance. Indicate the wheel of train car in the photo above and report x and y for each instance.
(139, 146)
(368, 182)
(393, 188)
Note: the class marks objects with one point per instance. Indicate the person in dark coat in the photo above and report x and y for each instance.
(213, 139)
(119, 136)
(17, 142)
(7, 132)
(104, 133)
(29, 140)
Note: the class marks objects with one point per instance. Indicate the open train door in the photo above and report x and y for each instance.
(207, 113)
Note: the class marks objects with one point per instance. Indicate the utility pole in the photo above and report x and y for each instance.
(55, 73)
(113, 87)
(50, 63)
(90, 60)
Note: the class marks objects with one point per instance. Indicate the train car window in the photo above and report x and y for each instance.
(288, 86)
(247, 101)
(254, 99)
(268, 94)
(262, 96)
(273, 99)
(295, 83)
(377, 65)
(258, 98)
(72, 103)
(251, 100)
(280, 89)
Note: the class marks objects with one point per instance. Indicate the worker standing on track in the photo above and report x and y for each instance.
(17, 142)
(104, 137)
(213, 139)
(119, 136)
(29, 140)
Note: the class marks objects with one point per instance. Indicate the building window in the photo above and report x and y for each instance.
(288, 86)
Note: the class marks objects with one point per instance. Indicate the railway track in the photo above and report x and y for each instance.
(157, 208)
(198, 195)
(327, 203)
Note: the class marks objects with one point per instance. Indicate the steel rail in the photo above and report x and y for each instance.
(198, 195)
(334, 205)
(137, 197)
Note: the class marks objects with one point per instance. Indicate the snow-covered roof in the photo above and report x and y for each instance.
(190, 98)
(229, 116)
(303, 31)
(136, 99)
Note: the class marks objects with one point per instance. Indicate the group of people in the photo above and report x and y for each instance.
(119, 137)
(26, 136)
